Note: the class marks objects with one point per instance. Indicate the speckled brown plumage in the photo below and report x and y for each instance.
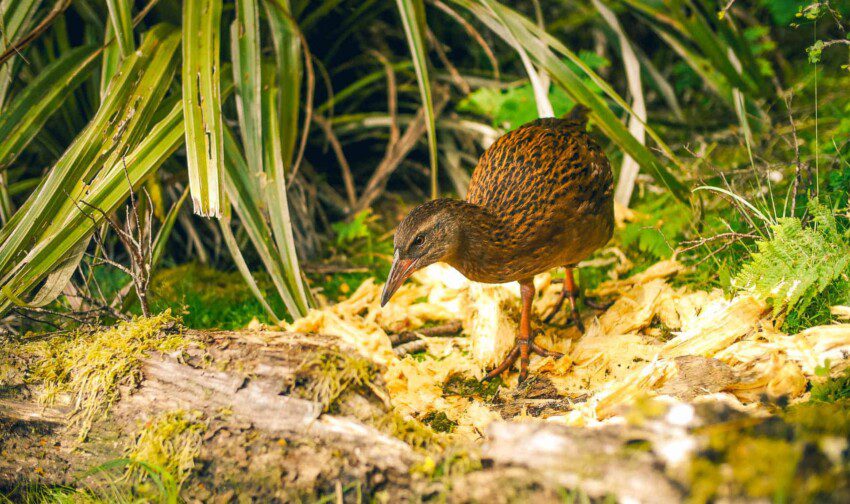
(540, 197)
(550, 187)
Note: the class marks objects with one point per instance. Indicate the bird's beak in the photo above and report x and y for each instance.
(399, 272)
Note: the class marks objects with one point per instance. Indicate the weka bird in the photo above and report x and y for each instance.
(540, 197)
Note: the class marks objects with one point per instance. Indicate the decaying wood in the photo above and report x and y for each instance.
(265, 440)
(238, 380)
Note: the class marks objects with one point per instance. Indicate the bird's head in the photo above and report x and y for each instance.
(430, 233)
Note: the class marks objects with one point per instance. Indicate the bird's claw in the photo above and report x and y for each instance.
(520, 351)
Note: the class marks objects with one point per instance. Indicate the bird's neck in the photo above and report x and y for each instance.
(482, 237)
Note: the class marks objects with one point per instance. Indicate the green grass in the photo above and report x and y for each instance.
(207, 298)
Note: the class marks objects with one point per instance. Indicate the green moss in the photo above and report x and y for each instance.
(207, 298)
(411, 431)
(438, 421)
(35, 493)
(780, 458)
(325, 376)
(171, 442)
(833, 389)
(91, 364)
(467, 386)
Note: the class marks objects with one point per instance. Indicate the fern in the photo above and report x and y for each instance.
(798, 263)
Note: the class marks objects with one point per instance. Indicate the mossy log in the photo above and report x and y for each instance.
(261, 439)
(283, 417)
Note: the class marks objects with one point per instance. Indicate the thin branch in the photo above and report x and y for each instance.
(45, 23)
(472, 33)
(347, 178)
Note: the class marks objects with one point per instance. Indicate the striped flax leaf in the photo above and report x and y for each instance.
(121, 19)
(277, 205)
(247, 76)
(107, 194)
(202, 104)
(243, 268)
(413, 19)
(119, 122)
(16, 18)
(111, 59)
(29, 110)
(287, 49)
(240, 184)
(536, 43)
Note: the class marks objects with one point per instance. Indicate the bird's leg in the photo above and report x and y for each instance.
(570, 290)
(523, 343)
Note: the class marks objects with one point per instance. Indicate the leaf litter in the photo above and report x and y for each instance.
(655, 339)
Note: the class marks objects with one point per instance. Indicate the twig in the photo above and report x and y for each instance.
(395, 154)
(347, 178)
(725, 9)
(693, 244)
(410, 347)
(448, 329)
(45, 23)
(473, 33)
(322, 269)
(797, 166)
(457, 78)
(392, 95)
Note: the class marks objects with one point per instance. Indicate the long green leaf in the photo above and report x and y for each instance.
(413, 18)
(16, 17)
(119, 124)
(240, 184)
(110, 61)
(202, 104)
(120, 15)
(537, 45)
(247, 76)
(30, 109)
(106, 196)
(277, 205)
(242, 266)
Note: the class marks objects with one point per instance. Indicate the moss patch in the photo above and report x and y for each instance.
(467, 386)
(91, 364)
(208, 298)
(791, 457)
(325, 376)
(833, 389)
(170, 442)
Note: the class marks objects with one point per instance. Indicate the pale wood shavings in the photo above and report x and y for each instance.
(718, 325)
(662, 269)
(622, 357)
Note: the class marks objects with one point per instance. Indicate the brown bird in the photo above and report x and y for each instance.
(540, 198)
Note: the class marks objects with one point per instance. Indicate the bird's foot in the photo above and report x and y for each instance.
(597, 305)
(575, 317)
(520, 351)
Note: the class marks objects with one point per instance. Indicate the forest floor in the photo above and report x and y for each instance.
(670, 393)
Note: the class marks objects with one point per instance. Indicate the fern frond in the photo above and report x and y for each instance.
(799, 262)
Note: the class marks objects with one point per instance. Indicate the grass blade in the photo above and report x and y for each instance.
(536, 43)
(412, 14)
(202, 104)
(287, 49)
(16, 18)
(120, 16)
(277, 205)
(629, 169)
(242, 266)
(28, 111)
(247, 76)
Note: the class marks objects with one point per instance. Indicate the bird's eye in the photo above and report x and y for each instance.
(419, 240)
